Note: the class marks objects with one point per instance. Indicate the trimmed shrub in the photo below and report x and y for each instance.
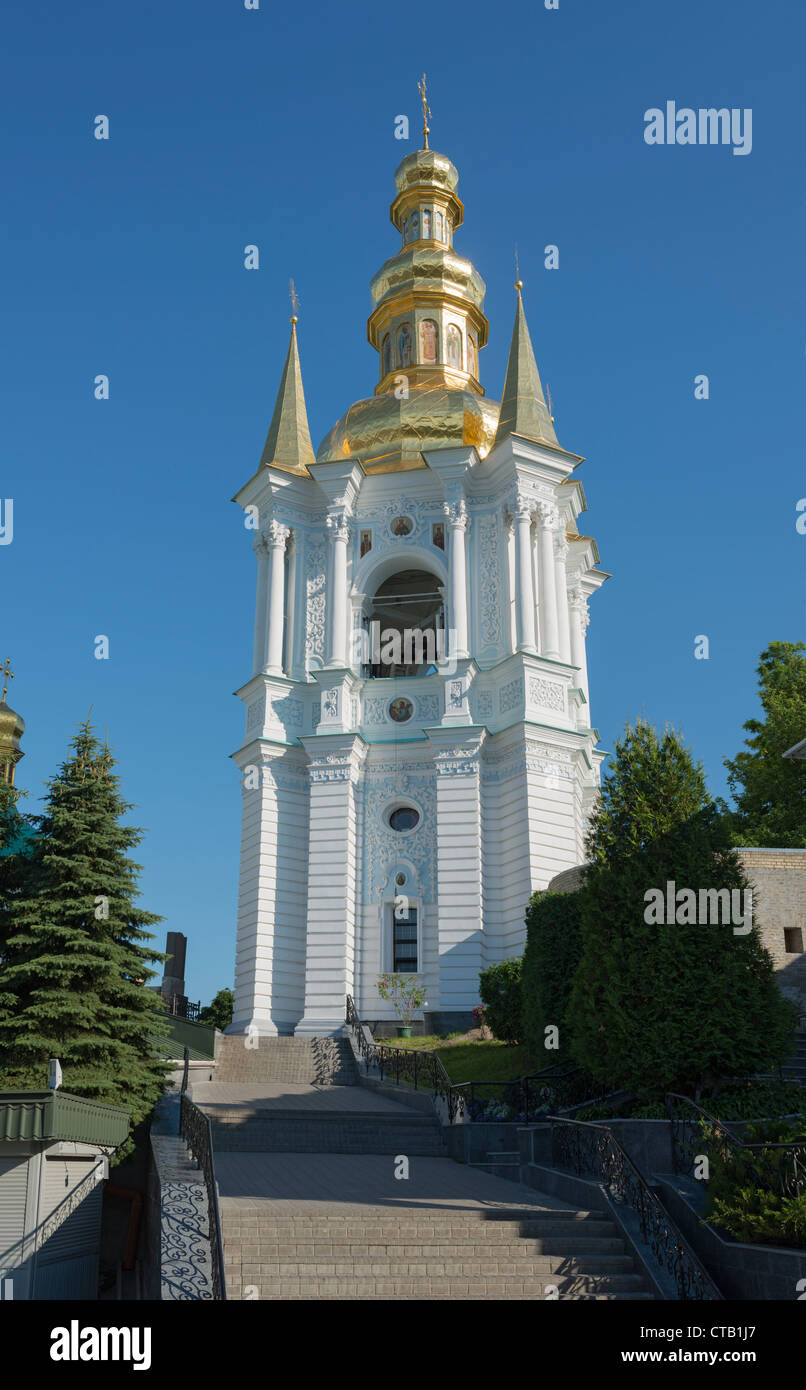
(657, 1004)
(742, 1198)
(500, 990)
(553, 952)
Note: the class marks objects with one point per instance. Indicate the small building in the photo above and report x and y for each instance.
(54, 1155)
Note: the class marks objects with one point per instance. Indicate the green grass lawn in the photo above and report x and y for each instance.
(473, 1061)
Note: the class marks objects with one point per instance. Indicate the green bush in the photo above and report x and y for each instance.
(743, 1198)
(553, 952)
(500, 990)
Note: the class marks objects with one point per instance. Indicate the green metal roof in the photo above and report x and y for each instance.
(27, 1116)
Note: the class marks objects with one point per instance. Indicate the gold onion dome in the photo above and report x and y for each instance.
(428, 327)
(12, 726)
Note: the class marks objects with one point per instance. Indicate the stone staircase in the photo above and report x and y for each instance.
(251, 1129)
(302, 1061)
(427, 1254)
(796, 1069)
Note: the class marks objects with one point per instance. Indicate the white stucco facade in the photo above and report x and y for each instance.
(444, 793)
(498, 757)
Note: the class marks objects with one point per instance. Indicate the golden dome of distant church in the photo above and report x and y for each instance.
(12, 728)
(428, 327)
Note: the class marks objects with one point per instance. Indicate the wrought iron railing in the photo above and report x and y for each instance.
(528, 1099)
(586, 1148)
(525, 1099)
(194, 1127)
(772, 1166)
(419, 1068)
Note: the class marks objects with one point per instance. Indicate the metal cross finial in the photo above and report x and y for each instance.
(426, 109)
(8, 675)
(294, 300)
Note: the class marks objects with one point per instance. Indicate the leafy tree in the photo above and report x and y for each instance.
(219, 1011)
(500, 991)
(553, 952)
(668, 1005)
(770, 790)
(76, 958)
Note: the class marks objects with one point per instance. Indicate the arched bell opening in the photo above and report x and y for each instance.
(404, 623)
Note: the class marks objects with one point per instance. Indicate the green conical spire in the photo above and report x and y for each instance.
(523, 405)
(288, 442)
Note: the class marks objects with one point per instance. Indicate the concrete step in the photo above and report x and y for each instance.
(451, 1230)
(335, 1132)
(567, 1246)
(511, 1262)
(493, 1286)
(452, 1296)
(306, 1061)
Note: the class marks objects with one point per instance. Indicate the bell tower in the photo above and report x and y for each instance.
(400, 803)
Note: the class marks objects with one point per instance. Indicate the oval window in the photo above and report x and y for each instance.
(404, 818)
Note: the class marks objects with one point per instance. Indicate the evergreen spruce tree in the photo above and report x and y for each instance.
(77, 956)
(770, 790)
(17, 847)
(678, 1005)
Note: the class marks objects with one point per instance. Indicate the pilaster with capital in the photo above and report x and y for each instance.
(338, 527)
(579, 619)
(548, 517)
(561, 549)
(276, 538)
(458, 519)
(524, 586)
(261, 603)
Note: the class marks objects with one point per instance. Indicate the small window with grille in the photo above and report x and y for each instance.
(404, 942)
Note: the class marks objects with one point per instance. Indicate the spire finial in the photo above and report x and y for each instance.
(8, 675)
(294, 300)
(518, 280)
(426, 110)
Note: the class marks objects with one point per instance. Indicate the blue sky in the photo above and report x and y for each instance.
(276, 127)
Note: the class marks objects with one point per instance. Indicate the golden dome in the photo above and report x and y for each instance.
(387, 434)
(427, 326)
(12, 725)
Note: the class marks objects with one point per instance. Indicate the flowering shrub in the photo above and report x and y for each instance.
(405, 993)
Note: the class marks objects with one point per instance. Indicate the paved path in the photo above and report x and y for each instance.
(291, 1095)
(352, 1185)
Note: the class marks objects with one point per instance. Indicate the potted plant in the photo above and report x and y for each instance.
(406, 994)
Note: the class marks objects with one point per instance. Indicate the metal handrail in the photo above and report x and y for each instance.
(195, 1128)
(534, 1093)
(791, 1180)
(583, 1147)
(424, 1069)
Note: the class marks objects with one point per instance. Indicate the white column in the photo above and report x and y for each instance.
(524, 589)
(509, 532)
(290, 605)
(560, 557)
(339, 531)
(550, 636)
(276, 537)
(580, 618)
(458, 521)
(261, 603)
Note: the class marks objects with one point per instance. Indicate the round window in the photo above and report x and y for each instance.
(404, 818)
